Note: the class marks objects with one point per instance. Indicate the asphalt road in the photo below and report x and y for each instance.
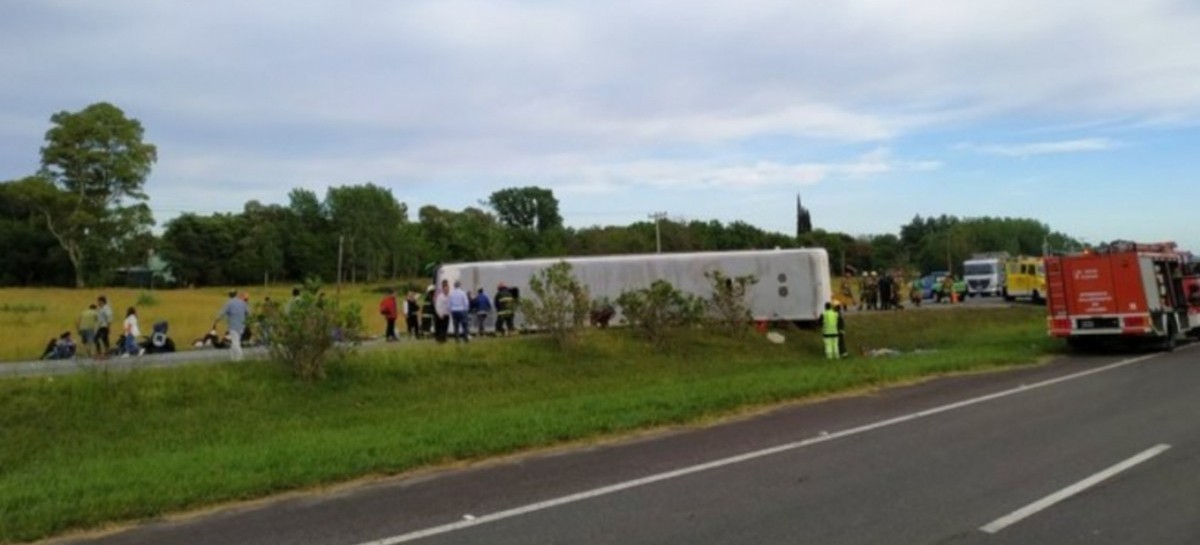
(1083, 450)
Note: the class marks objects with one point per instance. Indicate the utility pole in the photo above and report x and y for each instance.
(341, 241)
(658, 217)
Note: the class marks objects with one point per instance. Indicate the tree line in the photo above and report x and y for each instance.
(84, 216)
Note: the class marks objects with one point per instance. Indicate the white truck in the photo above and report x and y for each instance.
(793, 285)
(984, 274)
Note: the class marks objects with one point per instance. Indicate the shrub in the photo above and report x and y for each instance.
(655, 310)
(310, 332)
(728, 311)
(22, 308)
(146, 299)
(560, 304)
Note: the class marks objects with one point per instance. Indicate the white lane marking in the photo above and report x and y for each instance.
(1020, 514)
(650, 479)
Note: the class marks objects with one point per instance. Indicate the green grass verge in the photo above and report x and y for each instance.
(82, 451)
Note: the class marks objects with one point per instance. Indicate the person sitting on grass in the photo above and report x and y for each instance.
(60, 348)
(211, 340)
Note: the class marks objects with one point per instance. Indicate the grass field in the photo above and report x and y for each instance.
(86, 450)
(31, 316)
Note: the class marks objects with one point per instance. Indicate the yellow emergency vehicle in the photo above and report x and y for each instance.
(1025, 277)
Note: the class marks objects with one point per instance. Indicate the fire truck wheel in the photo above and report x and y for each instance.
(1082, 344)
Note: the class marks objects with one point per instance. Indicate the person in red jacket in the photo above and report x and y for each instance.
(387, 307)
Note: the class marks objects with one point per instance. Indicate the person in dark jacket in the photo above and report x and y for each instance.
(427, 314)
(506, 308)
(412, 311)
(482, 307)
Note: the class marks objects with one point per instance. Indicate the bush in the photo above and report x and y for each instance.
(146, 299)
(728, 311)
(654, 311)
(560, 304)
(310, 332)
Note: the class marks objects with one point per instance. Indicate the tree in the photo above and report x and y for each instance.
(370, 219)
(309, 247)
(531, 219)
(99, 161)
(31, 255)
(201, 249)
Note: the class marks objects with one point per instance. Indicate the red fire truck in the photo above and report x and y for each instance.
(1124, 291)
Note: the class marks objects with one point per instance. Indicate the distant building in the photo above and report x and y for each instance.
(154, 273)
(803, 219)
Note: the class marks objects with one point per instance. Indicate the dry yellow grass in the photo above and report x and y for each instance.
(29, 317)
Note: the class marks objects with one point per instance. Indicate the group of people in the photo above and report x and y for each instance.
(444, 311)
(875, 291)
(94, 326)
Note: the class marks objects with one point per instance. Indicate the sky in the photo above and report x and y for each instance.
(1083, 114)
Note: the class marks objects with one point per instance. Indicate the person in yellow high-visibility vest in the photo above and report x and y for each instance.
(829, 331)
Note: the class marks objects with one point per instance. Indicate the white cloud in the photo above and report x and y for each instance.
(249, 99)
(1044, 148)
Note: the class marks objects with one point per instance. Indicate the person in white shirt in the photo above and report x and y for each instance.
(131, 333)
(460, 307)
(441, 307)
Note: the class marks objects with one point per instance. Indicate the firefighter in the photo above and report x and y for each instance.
(862, 291)
(872, 293)
(841, 321)
(829, 332)
(847, 290)
(505, 309)
(947, 289)
(884, 288)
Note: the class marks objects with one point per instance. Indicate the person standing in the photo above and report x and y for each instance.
(505, 308)
(234, 313)
(130, 333)
(947, 289)
(387, 307)
(87, 324)
(287, 307)
(872, 295)
(842, 352)
(441, 308)
(483, 308)
(412, 309)
(862, 292)
(885, 291)
(460, 307)
(428, 314)
(829, 332)
(847, 289)
(104, 320)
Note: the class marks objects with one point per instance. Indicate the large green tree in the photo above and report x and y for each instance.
(31, 255)
(371, 222)
(531, 220)
(98, 161)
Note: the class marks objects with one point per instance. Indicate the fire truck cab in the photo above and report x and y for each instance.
(1124, 291)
